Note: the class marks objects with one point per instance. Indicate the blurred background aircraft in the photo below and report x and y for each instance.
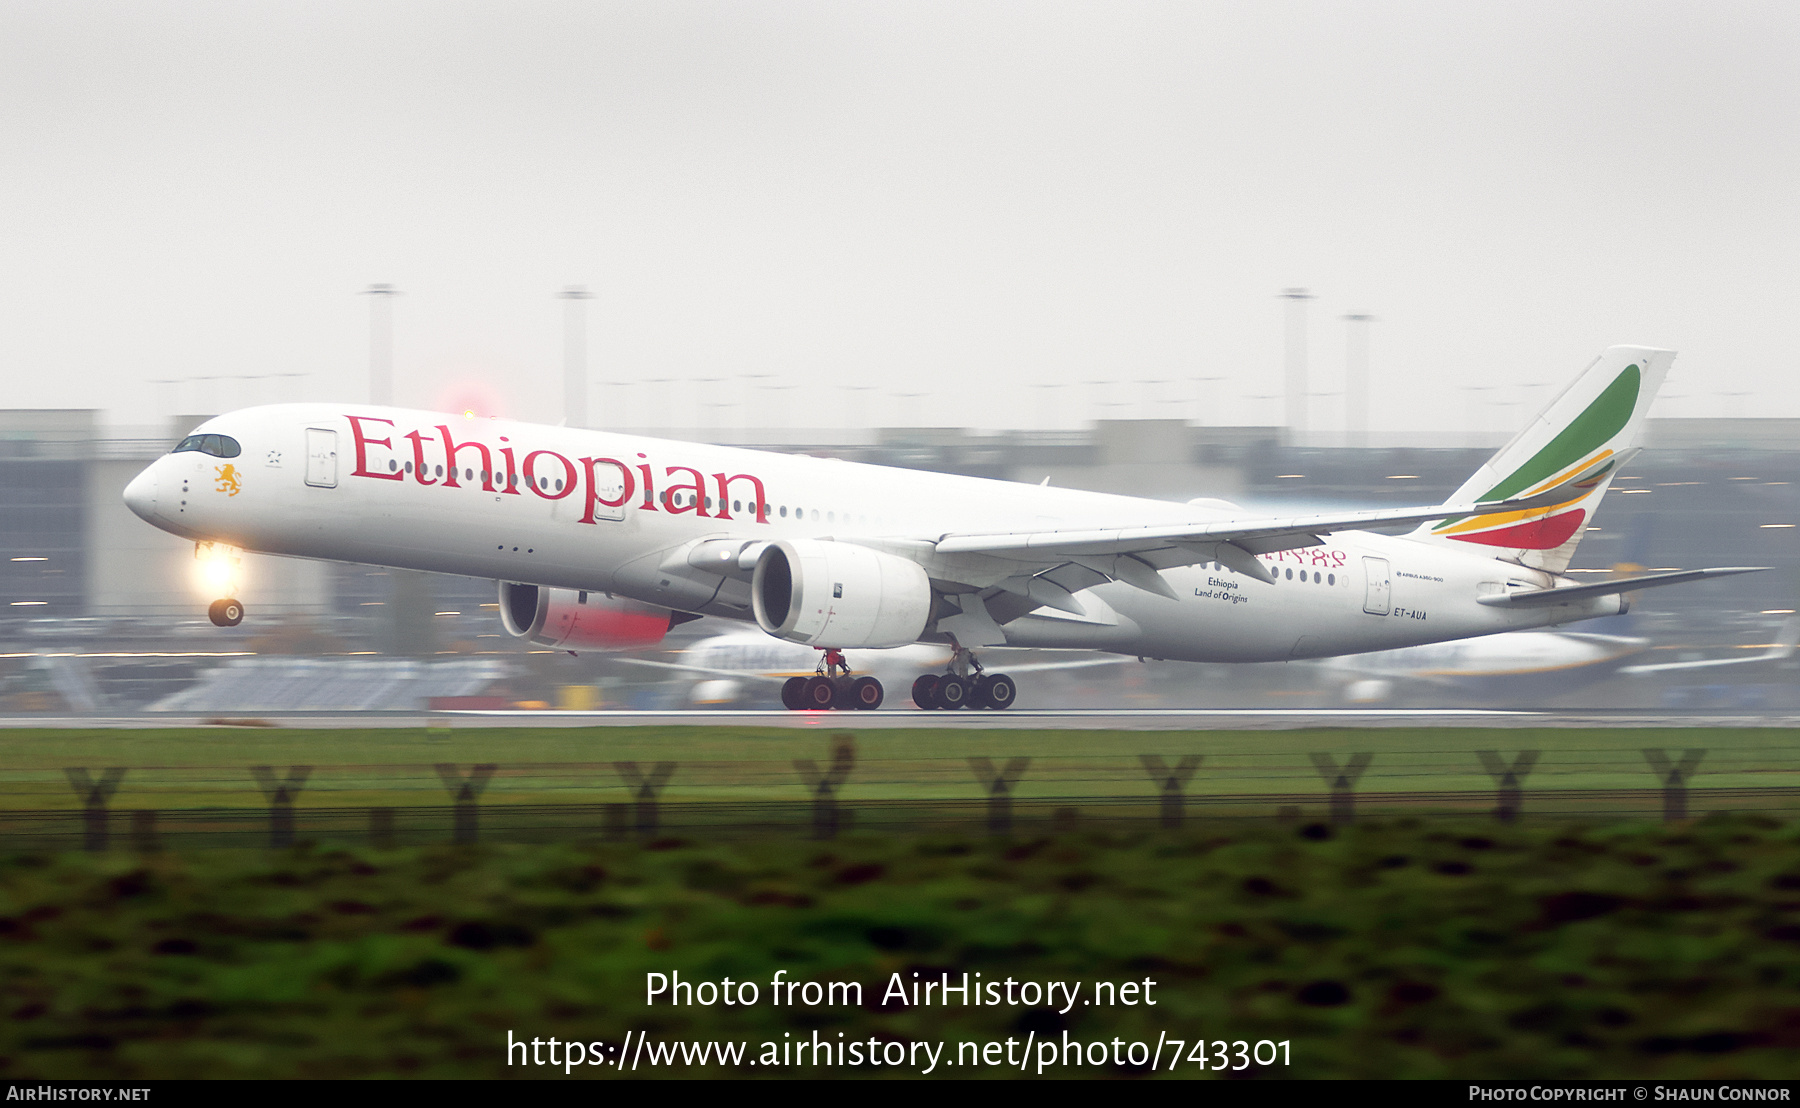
(743, 667)
(1524, 668)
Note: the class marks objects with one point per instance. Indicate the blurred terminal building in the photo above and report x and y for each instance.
(80, 576)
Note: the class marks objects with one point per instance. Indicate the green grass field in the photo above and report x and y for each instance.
(1400, 948)
(1406, 946)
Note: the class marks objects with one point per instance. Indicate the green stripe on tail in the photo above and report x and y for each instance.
(1599, 422)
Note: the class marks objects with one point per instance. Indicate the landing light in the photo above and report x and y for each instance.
(217, 574)
(1285, 476)
(29, 603)
(1776, 612)
(468, 413)
(1402, 477)
(1773, 526)
(216, 570)
(31, 559)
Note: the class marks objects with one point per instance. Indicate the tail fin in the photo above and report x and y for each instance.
(1596, 424)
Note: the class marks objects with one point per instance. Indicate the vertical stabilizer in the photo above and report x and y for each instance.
(1591, 429)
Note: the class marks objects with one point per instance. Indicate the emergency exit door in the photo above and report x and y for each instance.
(1377, 593)
(321, 457)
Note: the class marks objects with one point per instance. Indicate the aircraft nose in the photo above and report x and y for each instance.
(140, 495)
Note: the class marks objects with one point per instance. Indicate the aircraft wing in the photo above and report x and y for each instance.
(1783, 649)
(1133, 554)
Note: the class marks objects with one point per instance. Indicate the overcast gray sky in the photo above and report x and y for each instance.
(954, 199)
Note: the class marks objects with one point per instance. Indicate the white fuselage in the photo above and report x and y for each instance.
(593, 510)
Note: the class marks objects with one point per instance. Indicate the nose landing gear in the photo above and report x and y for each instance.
(957, 689)
(219, 567)
(832, 687)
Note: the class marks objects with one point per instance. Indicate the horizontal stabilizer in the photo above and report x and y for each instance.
(1538, 598)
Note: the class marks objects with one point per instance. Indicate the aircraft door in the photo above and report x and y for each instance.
(321, 457)
(609, 494)
(1376, 595)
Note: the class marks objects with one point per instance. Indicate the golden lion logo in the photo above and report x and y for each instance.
(228, 480)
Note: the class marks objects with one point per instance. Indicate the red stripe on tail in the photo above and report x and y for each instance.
(1538, 534)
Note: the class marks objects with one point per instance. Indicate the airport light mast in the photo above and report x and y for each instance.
(381, 343)
(1296, 362)
(1356, 378)
(575, 390)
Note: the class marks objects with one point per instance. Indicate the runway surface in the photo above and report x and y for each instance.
(1145, 719)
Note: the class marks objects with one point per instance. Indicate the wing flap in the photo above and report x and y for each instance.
(1133, 572)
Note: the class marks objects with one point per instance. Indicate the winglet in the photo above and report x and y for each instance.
(1785, 642)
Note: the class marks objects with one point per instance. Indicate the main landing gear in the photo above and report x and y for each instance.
(832, 686)
(958, 689)
(225, 613)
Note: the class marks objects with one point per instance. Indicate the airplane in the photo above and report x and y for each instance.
(605, 540)
(1523, 666)
(732, 664)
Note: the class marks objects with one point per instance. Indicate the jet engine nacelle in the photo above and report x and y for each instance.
(571, 620)
(838, 594)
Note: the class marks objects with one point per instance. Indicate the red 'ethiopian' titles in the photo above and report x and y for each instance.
(550, 476)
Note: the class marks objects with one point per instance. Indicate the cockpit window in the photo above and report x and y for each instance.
(219, 446)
